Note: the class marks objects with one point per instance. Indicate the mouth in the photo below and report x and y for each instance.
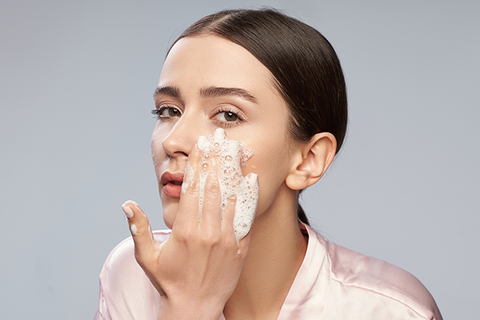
(172, 183)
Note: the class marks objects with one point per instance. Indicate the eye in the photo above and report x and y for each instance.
(227, 116)
(166, 112)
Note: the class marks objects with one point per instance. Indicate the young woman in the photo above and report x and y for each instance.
(276, 86)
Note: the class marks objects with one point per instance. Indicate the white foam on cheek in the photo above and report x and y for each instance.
(232, 183)
(133, 229)
(247, 153)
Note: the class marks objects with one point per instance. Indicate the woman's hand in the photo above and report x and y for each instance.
(197, 269)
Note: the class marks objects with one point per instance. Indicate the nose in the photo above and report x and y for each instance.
(180, 140)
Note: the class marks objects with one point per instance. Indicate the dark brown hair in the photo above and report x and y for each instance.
(303, 63)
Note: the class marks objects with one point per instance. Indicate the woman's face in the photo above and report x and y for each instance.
(208, 82)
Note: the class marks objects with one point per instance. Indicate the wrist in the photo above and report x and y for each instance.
(189, 310)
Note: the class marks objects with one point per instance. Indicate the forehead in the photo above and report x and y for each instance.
(213, 61)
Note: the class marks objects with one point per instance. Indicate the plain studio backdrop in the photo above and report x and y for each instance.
(77, 79)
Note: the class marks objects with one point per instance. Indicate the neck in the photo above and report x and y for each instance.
(276, 252)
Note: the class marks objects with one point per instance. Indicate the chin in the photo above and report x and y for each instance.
(169, 211)
(168, 219)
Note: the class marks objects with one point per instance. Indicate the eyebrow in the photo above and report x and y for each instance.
(212, 92)
(209, 92)
(167, 90)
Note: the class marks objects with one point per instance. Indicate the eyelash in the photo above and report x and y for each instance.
(229, 123)
(158, 112)
(161, 109)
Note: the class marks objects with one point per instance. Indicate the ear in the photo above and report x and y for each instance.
(311, 161)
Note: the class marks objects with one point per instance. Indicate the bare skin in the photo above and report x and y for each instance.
(202, 271)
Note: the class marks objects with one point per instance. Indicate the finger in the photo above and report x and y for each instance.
(212, 198)
(228, 216)
(244, 245)
(145, 244)
(228, 227)
(231, 164)
(251, 192)
(245, 214)
(188, 210)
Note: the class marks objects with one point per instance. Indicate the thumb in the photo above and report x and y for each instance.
(145, 244)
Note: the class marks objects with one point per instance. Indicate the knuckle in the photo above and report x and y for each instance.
(186, 236)
(210, 239)
(230, 243)
(212, 188)
(192, 188)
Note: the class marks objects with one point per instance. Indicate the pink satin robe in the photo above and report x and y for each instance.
(333, 283)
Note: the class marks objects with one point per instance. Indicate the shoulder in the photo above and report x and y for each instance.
(375, 282)
(122, 257)
(124, 287)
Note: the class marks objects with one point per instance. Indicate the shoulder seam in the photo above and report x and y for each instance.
(383, 295)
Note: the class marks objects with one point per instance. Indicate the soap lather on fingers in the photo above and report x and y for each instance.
(231, 157)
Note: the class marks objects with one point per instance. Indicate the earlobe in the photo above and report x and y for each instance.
(313, 160)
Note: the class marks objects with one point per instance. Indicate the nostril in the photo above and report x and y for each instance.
(166, 151)
(174, 152)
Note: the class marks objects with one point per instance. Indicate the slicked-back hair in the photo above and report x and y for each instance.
(304, 65)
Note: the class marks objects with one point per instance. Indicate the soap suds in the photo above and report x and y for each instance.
(134, 229)
(231, 157)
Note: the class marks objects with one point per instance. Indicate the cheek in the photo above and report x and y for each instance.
(154, 142)
(272, 167)
(156, 147)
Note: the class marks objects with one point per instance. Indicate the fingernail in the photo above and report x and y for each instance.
(131, 201)
(219, 134)
(201, 142)
(128, 211)
(252, 178)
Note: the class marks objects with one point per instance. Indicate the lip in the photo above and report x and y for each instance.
(172, 183)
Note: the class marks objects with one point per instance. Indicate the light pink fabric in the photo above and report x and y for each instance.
(333, 283)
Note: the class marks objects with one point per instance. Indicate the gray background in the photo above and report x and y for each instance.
(76, 92)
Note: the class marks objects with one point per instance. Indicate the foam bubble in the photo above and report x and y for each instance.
(134, 229)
